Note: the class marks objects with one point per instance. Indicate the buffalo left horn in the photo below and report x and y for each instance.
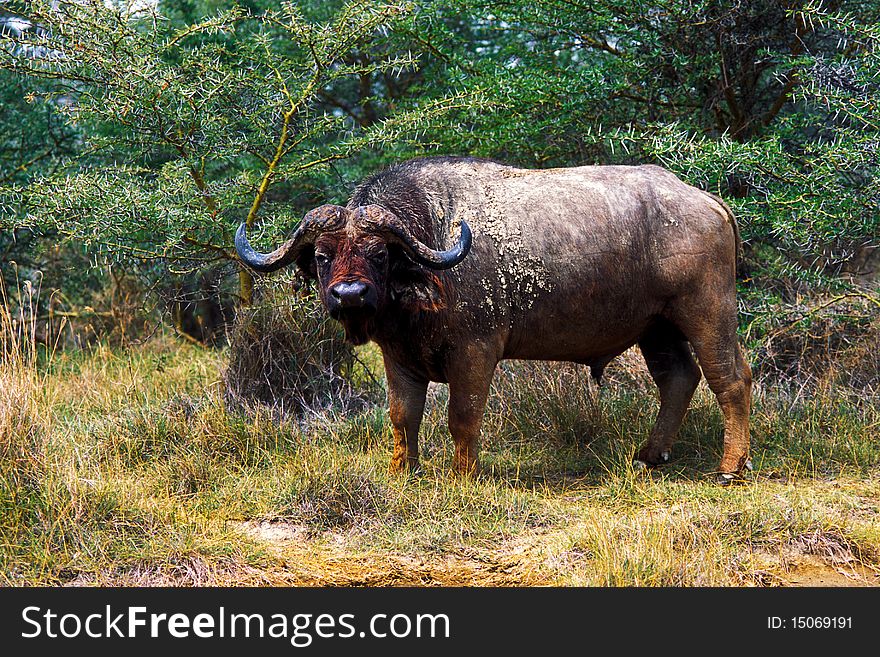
(326, 217)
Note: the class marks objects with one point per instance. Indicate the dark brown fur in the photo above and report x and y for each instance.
(567, 264)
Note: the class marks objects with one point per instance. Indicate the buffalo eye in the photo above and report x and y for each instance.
(322, 259)
(379, 257)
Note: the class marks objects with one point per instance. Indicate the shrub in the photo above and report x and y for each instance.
(287, 354)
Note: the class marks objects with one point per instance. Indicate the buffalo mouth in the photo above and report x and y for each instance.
(356, 322)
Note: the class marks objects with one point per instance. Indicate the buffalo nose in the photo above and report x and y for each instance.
(350, 295)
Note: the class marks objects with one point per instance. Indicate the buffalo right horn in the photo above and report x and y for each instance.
(378, 220)
(325, 217)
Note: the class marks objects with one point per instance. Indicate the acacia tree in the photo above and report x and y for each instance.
(34, 139)
(192, 126)
(200, 113)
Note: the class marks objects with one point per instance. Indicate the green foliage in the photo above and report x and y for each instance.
(168, 125)
(189, 118)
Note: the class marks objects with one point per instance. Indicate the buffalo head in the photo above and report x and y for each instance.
(355, 255)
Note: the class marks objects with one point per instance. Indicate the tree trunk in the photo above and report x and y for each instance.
(245, 287)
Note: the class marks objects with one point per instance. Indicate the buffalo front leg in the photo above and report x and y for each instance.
(469, 383)
(406, 405)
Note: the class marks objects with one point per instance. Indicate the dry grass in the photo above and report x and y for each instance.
(287, 355)
(125, 467)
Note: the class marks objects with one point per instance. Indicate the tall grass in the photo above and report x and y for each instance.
(25, 465)
(287, 355)
(19, 382)
(63, 511)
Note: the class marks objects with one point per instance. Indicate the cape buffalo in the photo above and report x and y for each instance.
(453, 264)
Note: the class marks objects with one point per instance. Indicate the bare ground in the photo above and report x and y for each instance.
(301, 560)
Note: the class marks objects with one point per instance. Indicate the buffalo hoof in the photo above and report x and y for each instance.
(642, 464)
(729, 478)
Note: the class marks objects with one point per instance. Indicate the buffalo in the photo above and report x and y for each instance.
(451, 264)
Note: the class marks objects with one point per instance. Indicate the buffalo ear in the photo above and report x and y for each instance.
(305, 263)
(412, 286)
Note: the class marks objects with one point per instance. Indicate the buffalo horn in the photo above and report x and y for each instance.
(397, 232)
(320, 219)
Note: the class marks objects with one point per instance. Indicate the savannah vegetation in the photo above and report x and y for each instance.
(165, 418)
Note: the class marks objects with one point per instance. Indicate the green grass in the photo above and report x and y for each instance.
(125, 467)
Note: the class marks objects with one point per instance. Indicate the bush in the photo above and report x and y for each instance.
(288, 355)
(818, 339)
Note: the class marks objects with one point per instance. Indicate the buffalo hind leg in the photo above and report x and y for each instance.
(469, 382)
(676, 374)
(406, 405)
(733, 389)
(711, 329)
